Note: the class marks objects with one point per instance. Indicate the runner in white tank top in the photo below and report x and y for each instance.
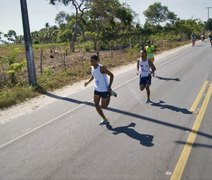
(101, 80)
(103, 89)
(143, 69)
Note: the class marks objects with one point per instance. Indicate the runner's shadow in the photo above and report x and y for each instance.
(130, 114)
(162, 105)
(167, 79)
(144, 139)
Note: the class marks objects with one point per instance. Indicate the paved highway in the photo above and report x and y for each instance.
(169, 138)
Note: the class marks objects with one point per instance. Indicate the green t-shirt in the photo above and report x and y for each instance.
(149, 51)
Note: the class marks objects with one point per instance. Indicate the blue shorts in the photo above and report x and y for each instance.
(102, 94)
(145, 80)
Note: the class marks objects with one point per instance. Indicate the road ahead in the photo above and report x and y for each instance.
(143, 141)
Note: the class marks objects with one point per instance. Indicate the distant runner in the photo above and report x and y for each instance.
(143, 69)
(150, 49)
(202, 36)
(210, 38)
(103, 89)
(193, 39)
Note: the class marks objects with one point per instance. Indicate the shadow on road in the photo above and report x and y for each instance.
(198, 45)
(144, 118)
(194, 144)
(162, 105)
(167, 79)
(144, 139)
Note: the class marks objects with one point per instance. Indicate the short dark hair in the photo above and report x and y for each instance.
(95, 57)
(143, 50)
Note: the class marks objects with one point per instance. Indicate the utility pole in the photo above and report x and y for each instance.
(28, 44)
(208, 11)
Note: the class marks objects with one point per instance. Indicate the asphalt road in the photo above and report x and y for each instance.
(142, 141)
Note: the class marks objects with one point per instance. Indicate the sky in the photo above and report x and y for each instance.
(41, 12)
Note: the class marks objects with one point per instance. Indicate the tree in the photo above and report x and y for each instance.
(61, 18)
(102, 20)
(47, 25)
(172, 17)
(186, 27)
(208, 25)
(11, 36)
(19, 39)
(157, 14)
(64, 34)
(108, 20)
(80, 7)
(36, 37)
(1, 35)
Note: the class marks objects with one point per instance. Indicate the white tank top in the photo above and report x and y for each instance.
(101, 80)
(144, 68)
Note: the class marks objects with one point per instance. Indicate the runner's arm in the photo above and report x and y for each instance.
(152, 66)
(137, 66)
(104, 70)
(87, 82)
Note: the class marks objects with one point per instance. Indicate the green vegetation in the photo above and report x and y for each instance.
(105, 27)
(13, 95)
(56, 74)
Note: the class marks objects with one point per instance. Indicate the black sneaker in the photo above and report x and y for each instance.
(113, 93)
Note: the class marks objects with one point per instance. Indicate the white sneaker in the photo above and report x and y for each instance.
(148, 101)
(104, 121)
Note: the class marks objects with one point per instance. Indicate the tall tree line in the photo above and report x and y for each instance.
(107, 23)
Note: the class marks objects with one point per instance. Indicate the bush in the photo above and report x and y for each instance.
(15, 95)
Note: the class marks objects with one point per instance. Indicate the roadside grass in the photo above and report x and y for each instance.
(57, 76)
(14, 95)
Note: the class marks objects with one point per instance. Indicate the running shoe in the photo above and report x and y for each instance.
(113, 93)
(104, 121)
(148, 101)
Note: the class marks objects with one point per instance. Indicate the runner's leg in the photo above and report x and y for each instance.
(98, 107)
(105, 102)
(142, 87)
(148, 92)
(152, 61)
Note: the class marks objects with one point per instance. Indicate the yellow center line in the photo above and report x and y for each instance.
(197, 100)
(178, 171)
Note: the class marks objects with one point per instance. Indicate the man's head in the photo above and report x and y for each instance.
(94, 60)
(143, 54)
